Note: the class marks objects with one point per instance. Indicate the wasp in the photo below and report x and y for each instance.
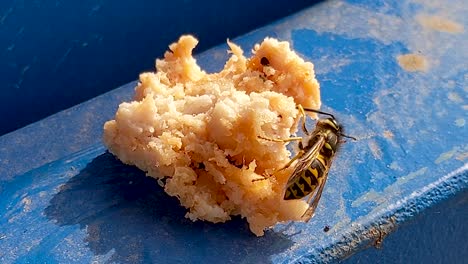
(314, 158)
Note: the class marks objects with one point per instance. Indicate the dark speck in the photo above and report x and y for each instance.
(326, 229)
(232, 162)
(264, 61)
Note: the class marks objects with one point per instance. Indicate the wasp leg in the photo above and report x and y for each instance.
(266, 176)
(303, 119)
(282, 140)
(298, 155)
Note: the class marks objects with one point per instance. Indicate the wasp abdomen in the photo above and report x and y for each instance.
(320, 164)
(293, 192)
(304, 186)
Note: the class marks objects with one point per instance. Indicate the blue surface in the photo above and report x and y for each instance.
(438, 235)
(67, 52)
(410, 156)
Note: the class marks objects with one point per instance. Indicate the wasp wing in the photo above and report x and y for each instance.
(304, 163)
(313, 201)
(306, 159)
(315, 198)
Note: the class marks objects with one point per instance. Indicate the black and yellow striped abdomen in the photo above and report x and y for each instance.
(310, 178)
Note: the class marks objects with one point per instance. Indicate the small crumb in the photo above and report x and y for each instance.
(388, 134)
(460, 122)
(451, 84)
(27, 204)
(394, 166)
(160, 182)
(454, 97)
(412, 62)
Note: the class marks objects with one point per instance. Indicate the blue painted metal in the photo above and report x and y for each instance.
(67, 52)
(438, 235)
(410, 156)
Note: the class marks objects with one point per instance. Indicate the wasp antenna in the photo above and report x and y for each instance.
(353, 138)
(318, 112)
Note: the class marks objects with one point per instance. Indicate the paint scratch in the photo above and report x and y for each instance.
(62, 59)
(375, 149)
(380, 198)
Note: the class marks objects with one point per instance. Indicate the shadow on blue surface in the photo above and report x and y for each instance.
(128, 214)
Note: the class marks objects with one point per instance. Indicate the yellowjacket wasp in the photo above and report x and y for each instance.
(316, 152)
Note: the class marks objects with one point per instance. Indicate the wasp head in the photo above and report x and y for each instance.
(330, 124)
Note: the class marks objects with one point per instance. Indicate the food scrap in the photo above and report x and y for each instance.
(200, 132)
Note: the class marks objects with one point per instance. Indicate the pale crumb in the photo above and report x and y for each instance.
(455, 97)
(460, 122)
(201, 131)
(412, 62)
(388, 134)
(26, 204)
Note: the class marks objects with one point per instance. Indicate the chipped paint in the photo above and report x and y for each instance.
(381, 198)
(375, 149)
(404, 179)
(369, 196)
(340, 214)
(462, 156)
(439, 23)
(446, 155)
(329, 18)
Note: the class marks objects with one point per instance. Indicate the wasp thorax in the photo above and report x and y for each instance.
(329, 123)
